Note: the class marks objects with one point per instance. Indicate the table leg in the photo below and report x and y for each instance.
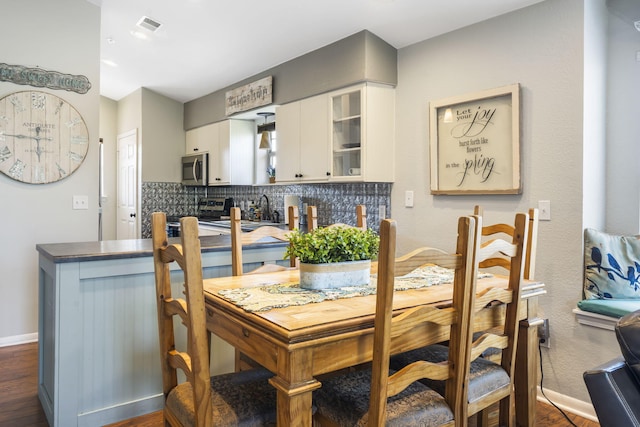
(526, 373)
(295, 384)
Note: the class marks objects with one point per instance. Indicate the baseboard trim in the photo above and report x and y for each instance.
(569, 404)
(18, 339)
(122, 411)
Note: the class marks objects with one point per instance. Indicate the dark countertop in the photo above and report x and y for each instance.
(135, 248)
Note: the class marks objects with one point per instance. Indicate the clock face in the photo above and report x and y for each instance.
(43, 138)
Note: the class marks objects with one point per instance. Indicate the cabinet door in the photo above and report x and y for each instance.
(378, 158)
(314, 139)
(288, 128)
(200, 139)
(237, 151)
(346, 136)
(215, 165)
(222, 161)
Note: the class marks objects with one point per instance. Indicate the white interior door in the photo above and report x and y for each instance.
(127, 214)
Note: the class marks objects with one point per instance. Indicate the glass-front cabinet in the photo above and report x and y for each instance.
(346, 127)
(362, 133)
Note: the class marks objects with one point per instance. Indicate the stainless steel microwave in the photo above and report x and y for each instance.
(195, 169)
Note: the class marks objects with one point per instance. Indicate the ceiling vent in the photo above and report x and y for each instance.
(148, 24)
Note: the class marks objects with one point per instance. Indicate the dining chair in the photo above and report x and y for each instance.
(532, 240)
(244, 398)
(488, 382)
(378, 396)
(240, 238)
(312, 218)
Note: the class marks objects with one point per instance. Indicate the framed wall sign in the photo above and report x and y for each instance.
(475, 143)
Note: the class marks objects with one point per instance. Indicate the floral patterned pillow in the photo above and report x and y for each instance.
(611, 266)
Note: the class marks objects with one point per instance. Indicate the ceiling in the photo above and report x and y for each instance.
(204, 45)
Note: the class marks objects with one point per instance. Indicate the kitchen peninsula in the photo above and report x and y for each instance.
(98, 359)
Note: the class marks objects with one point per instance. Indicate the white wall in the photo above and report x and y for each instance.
(540, 47)
(623, 129)
(62, 36)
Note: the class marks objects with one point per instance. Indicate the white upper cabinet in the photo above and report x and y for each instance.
(362, 133)
(303, 140)
(230, 147)
(342, 136)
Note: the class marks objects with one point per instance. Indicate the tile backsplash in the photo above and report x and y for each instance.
(335, 202)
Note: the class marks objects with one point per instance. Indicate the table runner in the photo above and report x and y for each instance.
(267, 296)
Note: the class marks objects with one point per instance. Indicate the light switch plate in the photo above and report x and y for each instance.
(544, 207)
(408, 199)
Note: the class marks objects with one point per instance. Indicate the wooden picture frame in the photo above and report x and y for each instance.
(475, 143)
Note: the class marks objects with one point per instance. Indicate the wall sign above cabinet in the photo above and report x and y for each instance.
(249, 96)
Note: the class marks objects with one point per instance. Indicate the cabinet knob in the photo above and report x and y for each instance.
(132, 215)
(195, 149)
(328, 173)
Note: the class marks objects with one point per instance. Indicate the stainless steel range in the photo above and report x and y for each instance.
(214, 208)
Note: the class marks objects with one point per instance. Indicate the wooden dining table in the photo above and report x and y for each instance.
(301, 343)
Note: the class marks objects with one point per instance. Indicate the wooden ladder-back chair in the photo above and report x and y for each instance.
(230, 399)
(361, 218)
(378, 396)
(497, 309)
(240, 238)
(532, 240)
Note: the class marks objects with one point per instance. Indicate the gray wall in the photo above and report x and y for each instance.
(108, 132)
(62, 36)
(542, 48)
(360, 57)
(164, 139)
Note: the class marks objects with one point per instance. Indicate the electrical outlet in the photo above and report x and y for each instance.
(80, 202)
(544, 335)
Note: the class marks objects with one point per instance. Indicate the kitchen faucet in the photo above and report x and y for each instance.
(266, 214)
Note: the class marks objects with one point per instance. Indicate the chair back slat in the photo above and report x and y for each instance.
(361, 218)
(532, 241)
(240, 238)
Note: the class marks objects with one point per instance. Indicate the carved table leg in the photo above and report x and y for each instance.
(294, 384)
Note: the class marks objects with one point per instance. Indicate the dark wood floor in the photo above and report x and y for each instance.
(20, 407)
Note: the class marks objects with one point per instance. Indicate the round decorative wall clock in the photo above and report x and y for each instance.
(43, 138)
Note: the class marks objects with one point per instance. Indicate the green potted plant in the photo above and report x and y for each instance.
(334, 257)
(271, 172)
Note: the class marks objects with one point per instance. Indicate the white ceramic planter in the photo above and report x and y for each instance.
(335, 274)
